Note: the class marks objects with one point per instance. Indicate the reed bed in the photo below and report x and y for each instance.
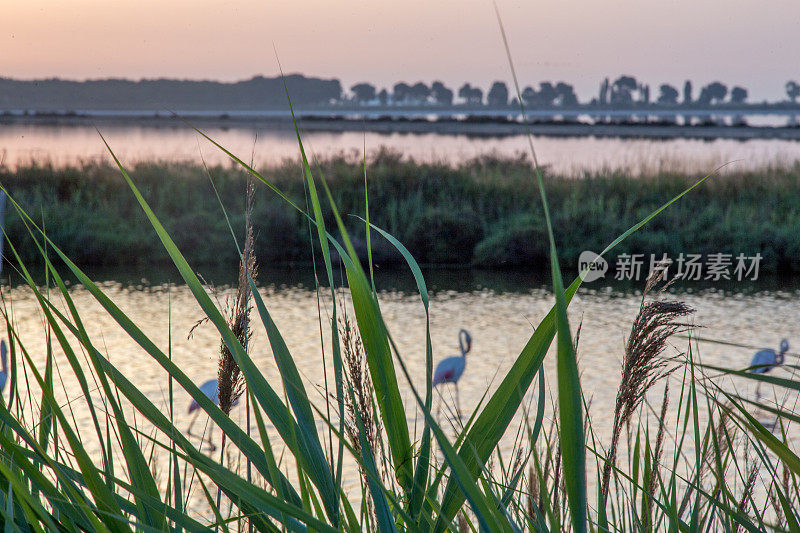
(484, 212)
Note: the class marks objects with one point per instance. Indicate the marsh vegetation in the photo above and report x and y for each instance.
(482, 212)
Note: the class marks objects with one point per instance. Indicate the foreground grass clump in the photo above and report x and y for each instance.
(699, 474)
(483, 212)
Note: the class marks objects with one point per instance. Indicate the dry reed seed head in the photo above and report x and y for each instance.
(643, 364)
(355, 366)
(785, 480)
(359, 379)
(657, 276)
(195, 326)
(517, 461)
(230, 380)
(557, 477)
(533, 492)
(547, 450)
(577, 339)
(228, 383)
(747, 493)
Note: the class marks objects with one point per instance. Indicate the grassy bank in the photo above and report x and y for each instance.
(484, 212)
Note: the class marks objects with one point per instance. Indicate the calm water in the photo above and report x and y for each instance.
(500, 321)
(22, 143)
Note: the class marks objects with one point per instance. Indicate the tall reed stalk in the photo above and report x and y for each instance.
(229, 377)
(643, 366)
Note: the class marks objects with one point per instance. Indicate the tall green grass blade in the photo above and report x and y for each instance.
(569, 388)
(757, 429)
(293, 386)
(694, 524)
(299, 401)
(268, 453)
(492, 422)
(423, 462)
(366, 221)
(45, 414)
(338, 367)
(789, 512)
(379, 358)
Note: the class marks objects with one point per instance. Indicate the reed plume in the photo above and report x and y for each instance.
(747, 493)
(534, 498)
(643, 364)
(230, 381)
(359, 406)
(355, 360)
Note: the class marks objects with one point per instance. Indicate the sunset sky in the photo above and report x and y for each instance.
(754, 44)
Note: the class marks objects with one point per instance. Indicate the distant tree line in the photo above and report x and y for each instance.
(159, 94)
(498, 95)
(625, 91)
(261, 92)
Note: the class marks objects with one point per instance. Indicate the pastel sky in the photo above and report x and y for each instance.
(748, 42)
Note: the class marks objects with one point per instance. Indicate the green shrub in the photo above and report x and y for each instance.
(444, 236)
(519, 240)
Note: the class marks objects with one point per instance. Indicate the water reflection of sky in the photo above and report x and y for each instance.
(60, 145)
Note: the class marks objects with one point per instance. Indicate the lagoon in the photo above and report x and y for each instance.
(62, 144)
